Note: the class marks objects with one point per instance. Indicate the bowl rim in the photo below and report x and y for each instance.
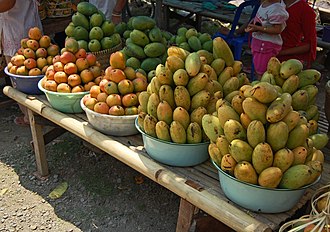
(264, 188)
(58, 93)
(21, 76)
(163, 141)
(87, 110)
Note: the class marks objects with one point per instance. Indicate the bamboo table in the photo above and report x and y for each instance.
(197, 186)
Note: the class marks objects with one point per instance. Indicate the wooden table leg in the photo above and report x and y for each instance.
(185, 217)
(198, 22)
(159, 15)
(39, 146)
(166, 19)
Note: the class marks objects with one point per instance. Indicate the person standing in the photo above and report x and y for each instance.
(14, 26)
(266, 30)
(299, 36)
(112, 9)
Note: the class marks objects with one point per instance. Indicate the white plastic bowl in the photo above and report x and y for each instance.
(257, 198)
(109, 124)
(64, 102)
(174, 154)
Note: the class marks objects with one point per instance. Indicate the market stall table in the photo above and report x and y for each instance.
(195, 8)
(197, 186)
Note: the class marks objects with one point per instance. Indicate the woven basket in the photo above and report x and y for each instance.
(317, 218)
(103, 56)
(58, 9)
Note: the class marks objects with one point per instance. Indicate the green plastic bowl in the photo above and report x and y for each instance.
(64, 102)
(258, 198)
(174, 154)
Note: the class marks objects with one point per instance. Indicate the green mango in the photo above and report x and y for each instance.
(163, 131)
(211, 127)
(233, 129)
(262, 157)
(255, 133)
(283, 159)
(178, 133)
(182, 97)
(277, 135)
(181, 115)
(166, 93)
(296, 177)
(164, 112)
(194, 133)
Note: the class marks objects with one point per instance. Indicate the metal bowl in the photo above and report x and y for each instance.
(257, 198)
(64, 102)
(109, 124)
(174, 154)
(25, 84)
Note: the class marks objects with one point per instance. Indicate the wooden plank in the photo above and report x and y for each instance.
(39, 146)
(185, 217)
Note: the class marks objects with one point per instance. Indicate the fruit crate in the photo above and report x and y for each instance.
(58, 8)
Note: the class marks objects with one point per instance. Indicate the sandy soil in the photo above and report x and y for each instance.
(103, 193)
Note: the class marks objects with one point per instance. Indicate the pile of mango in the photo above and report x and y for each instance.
(91, 29)
(145, 44)
(192, 40)
(116, 92)
(74, 70)
(35, 54)
(183, 91)
(268, 134)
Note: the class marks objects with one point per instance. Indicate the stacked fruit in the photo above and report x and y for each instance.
(35, 54)
(297, 82)
(90, 28)
(117, 91)
(72, 71)
(261, 138)
(146, 45)
(177, 97)
(192, 40)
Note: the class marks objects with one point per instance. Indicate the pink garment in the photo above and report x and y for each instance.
(270, 15)
(262, 52)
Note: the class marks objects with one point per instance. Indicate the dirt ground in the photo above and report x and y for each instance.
(103, 194)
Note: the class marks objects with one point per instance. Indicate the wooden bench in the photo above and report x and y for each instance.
(197, 186)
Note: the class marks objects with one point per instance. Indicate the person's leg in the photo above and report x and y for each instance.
(22, 120)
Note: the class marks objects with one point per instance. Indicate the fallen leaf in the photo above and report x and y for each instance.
(3, 191)
(139, 179)
(58, 190)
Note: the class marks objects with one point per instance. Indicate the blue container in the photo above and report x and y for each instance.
(25, 84)
(258, 198)
(326, 34)
(174, 154)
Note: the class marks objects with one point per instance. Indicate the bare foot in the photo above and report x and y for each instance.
(21, 121)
